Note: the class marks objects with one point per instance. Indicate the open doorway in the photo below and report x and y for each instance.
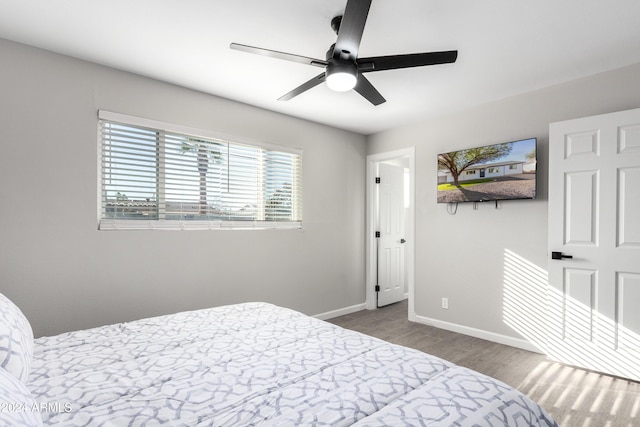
(390, 274)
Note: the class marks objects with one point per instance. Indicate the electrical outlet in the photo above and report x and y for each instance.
(445, 303)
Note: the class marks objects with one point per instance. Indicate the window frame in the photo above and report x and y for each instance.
(194, 224)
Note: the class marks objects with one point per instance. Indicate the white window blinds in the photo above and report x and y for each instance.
(161, 176)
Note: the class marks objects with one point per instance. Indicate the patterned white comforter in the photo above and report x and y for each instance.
(258, 364)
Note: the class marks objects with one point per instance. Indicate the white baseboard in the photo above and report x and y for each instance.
(479, 333)
(340, 312)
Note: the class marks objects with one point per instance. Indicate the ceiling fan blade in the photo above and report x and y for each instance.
(351, 29)
(303, 87)
(279, 55)
(392, 62)
(366, 89)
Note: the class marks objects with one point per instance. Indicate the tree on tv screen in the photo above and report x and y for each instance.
(457, 162)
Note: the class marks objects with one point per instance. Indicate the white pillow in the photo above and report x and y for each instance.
(16, 340)
(18, 406)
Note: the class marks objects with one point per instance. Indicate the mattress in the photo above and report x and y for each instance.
(258, 364)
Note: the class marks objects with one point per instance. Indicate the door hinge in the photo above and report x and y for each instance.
(377, 288)
(377, 234)
(377, 180)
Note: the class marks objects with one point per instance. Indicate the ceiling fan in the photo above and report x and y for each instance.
(343, 70)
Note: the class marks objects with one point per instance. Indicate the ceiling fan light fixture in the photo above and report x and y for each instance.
(341, 78)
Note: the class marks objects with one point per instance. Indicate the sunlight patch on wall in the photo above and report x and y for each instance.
(573, 324)
(570, 321)
(525, 299)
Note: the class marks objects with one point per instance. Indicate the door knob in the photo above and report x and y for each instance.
(402, 241)
(559, 255)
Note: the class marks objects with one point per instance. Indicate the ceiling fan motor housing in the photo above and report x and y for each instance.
(335, 23)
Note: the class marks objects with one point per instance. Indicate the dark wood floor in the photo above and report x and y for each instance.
(574, 397)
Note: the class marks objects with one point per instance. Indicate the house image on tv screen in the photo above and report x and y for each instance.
(490, 171)
(493, 172)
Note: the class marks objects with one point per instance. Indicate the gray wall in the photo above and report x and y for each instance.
(66, 275)
(462, 256)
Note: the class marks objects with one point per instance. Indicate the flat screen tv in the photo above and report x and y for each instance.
(503, 171)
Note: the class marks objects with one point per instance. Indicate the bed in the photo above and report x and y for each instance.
(240, 365)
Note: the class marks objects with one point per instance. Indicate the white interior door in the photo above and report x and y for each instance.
(594, 216)
(391, 219)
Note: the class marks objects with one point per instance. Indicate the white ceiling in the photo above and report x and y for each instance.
(505, 47)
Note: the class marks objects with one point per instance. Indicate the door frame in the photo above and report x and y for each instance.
(371, 256)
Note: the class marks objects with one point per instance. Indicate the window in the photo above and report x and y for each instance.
(471, 172)
(161, 176)
(513, 167)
